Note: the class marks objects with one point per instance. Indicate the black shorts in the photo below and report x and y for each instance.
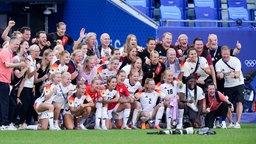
(235, 94)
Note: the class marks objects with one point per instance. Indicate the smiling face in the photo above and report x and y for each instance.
(192, 55)
(167, 40)
(105, 40)
(61, 30)
(24, 46)
(168, 76)
(191, 84)
(112, 83)
(199, 45)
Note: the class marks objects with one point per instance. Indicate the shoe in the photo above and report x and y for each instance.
(125, 127)
(104, 128)
(237, 125)
(223, 125)
(82, 127)
(8, 128)
(97, 128)
(143, 125)
(231, 125)
(157, 127)
(57, 127)
(134, 127)
(53, 128)
(179, 126)
(147, 126)
(23, 126)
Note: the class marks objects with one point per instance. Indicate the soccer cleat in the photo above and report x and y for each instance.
(82, 127)
(143, 125)
(53, 128)
(157, 127)
(147, 126)
(57, 127)
(104, 128)
(223, 126)
(97, 128)
(125, 127)
(134, 127)
(231, 125)
(237, 125)
(8, 128)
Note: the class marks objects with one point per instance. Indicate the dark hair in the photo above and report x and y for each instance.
(197, 39)
(149, 39)
(40, 32)
(24, 28)
(110, 78)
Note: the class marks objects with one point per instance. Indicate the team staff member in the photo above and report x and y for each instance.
(6, 66)
(229, 69)
(216, 104)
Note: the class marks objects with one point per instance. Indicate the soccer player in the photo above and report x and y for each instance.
(148, 100)
(170, 88)
(78, 107)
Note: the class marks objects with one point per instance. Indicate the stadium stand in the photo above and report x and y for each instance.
(142, 5)
(171, 13)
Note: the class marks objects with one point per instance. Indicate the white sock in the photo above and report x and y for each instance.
(180, 116)
(135, 116)
(98, 116)
(159, 115)
(126, 116)
(168, 117)
(82, 121)
(50, 117)
(32, 127)
(104, 116)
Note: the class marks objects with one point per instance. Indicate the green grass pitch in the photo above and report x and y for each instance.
(245, 135)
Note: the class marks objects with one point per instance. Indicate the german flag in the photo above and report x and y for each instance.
(158, 85)
(71, 99)
(55, 67)
(103, 60)
(158, 91)
(182, 64)
(47, 88)
(137, 95)
(100, 69)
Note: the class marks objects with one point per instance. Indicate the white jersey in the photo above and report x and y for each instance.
(75, 102)
(56, 66)
(105, 73)
(62, 93)
(190, 67)
(222, 67)
(108, 95)
(47, 89)
(148, 100)
(176, 73)
(169, 89)
(191, 95)
(132, 89)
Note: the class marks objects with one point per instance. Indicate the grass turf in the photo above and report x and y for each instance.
(245, 135)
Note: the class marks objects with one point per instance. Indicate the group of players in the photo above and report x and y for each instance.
(128, 88)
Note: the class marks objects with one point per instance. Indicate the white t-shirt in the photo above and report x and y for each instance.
(222, 67)
(29, 82)
(190, 94)
(190, 67)
(132, 89)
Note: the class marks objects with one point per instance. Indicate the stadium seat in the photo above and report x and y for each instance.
(141, 5)
(178, 3)
(205, 13)
(204, 3)
(171, 13)
(238, 14)
(237, 3)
